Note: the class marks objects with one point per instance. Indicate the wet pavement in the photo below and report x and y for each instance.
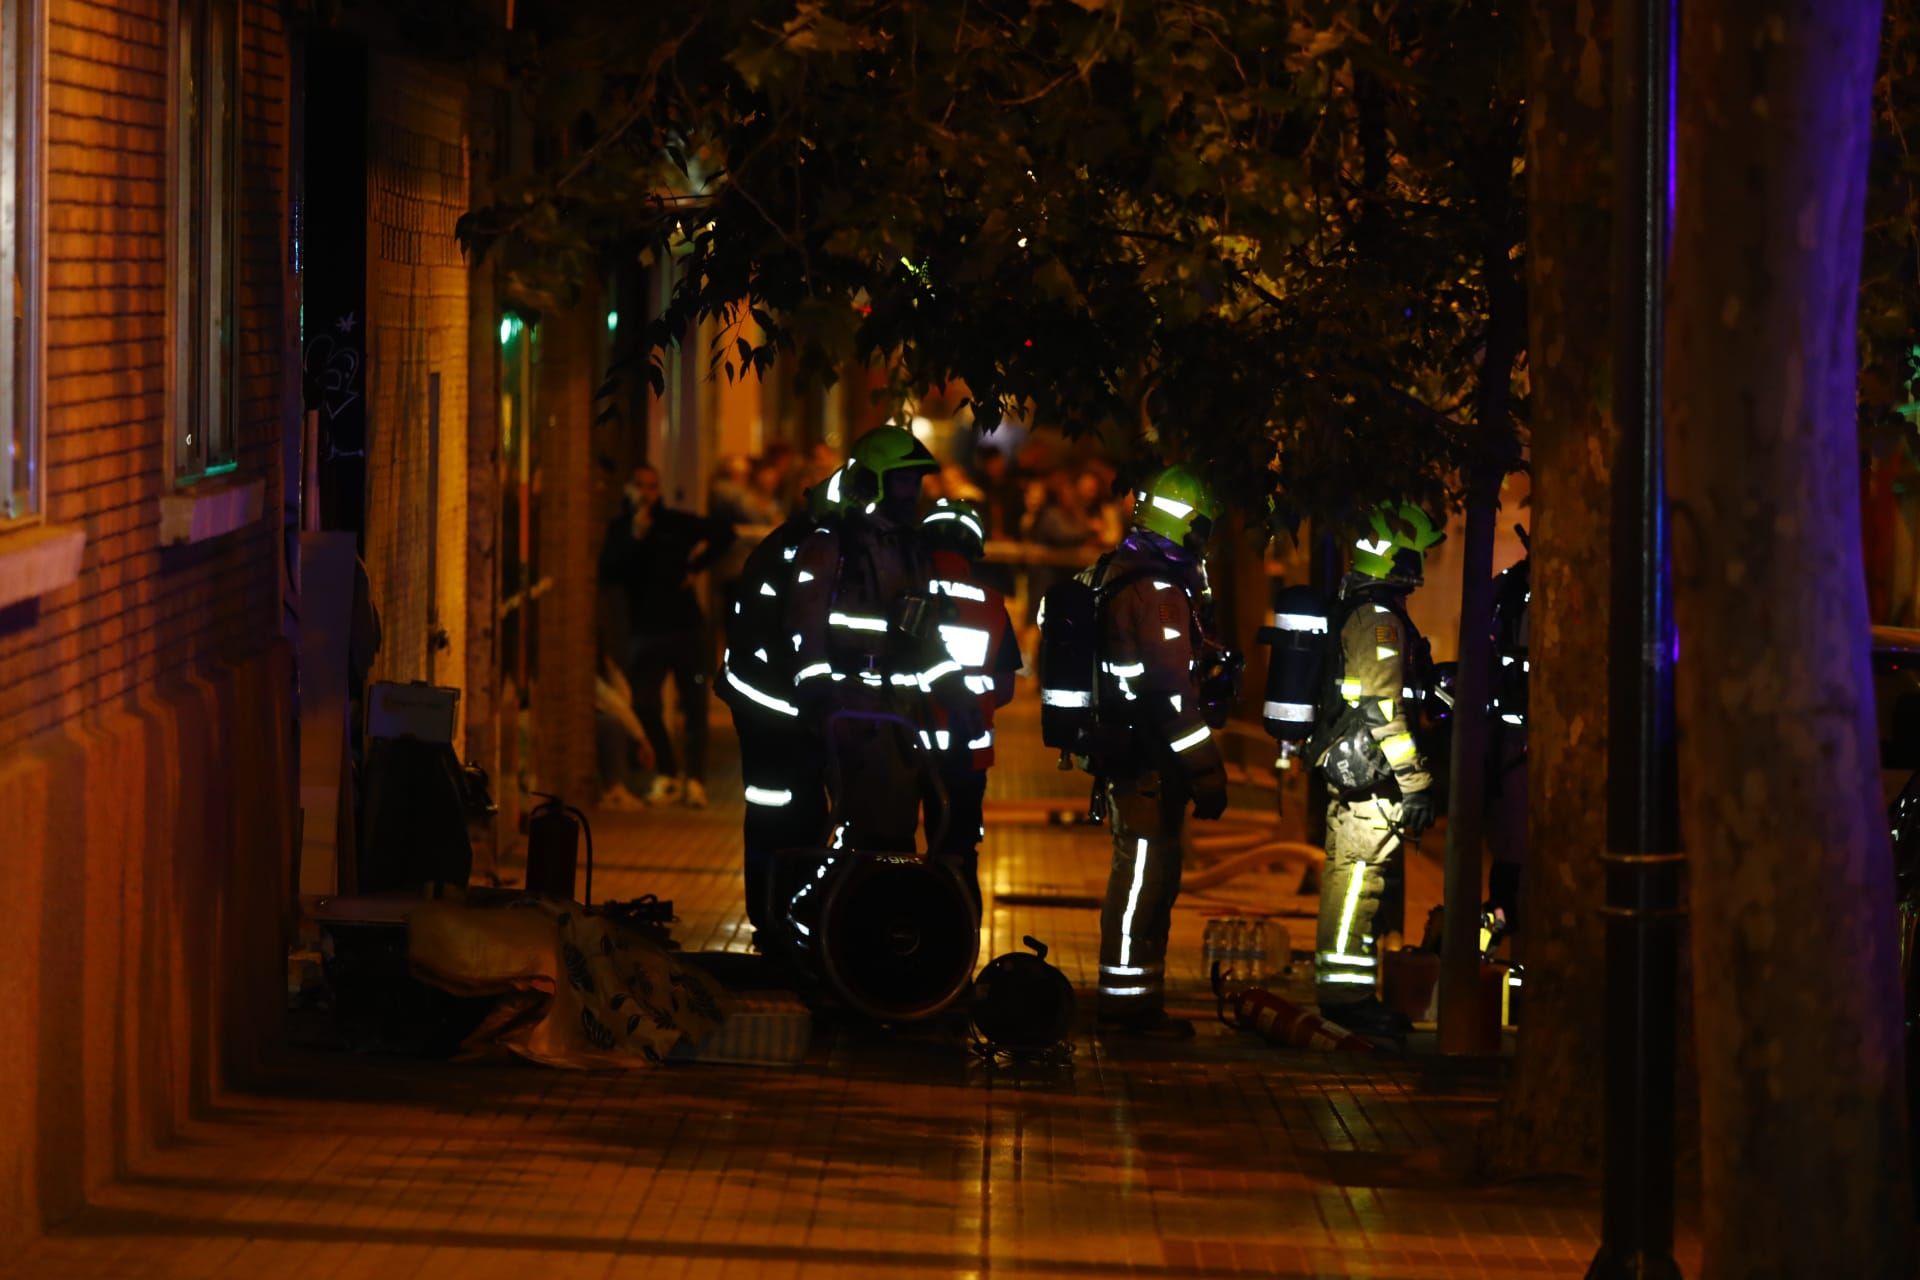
(881, 1154)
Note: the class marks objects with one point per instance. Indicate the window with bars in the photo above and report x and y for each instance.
(206, 82)
(21, 24)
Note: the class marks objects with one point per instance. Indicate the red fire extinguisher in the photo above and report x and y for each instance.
(553, 849)
(1281, 1021)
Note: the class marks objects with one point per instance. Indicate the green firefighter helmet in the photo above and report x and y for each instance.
(958, 525)
(1397, 550)
(878, 454)
(1178, 505)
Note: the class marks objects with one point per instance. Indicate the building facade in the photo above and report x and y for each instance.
(145, 681)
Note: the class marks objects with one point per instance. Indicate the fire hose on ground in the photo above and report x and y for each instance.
(1248, 847)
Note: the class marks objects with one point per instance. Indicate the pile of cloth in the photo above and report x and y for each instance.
(573, 989)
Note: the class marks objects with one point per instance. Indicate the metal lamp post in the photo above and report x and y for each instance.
(1642, 859)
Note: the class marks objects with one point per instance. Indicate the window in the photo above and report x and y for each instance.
(206, 78)
(20, 309)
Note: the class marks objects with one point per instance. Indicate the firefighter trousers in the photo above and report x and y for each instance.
(959, 844)
(783, 769)
(1148, 817)
(1359, 892)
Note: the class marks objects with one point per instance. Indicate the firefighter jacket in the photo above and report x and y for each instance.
(1376, 641)
(976, 634)
(1153, 608)
(848, 582)
(761, 657)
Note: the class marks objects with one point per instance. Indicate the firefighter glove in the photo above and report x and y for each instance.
(1210, 795)
(1416, 812)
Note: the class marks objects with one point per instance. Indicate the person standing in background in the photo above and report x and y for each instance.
(651, 553)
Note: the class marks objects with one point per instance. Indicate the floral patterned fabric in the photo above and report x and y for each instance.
(577, 990)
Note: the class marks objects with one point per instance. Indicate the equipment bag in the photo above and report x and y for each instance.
(1349, 756)
(1343, 746)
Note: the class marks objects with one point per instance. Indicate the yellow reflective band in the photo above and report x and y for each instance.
(982, 742)
(1381, 652)
(857, 622)
(766, 589)
(979, 685)
(768, 797)
(1174, 698)
(1355, 979)
(803, 576)
(1350, 690)
(1348, 907)
(1170, 633)
(1398, 749)
(1191, 740)
(1065, 698)
(1386, 707)
(1173, 507)
(817, 669)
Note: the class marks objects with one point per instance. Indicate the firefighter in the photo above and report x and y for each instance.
(1380, 789)
(849, 583)
(1507, 764)
(780, 757)
(1154, 613)
(976, 633)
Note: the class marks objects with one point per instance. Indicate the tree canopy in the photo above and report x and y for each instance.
(1272, 236)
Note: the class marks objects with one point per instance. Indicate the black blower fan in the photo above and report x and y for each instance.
(893, 938)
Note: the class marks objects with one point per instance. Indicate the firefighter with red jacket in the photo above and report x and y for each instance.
(977, 637)
(852, 583)
(1153, 684)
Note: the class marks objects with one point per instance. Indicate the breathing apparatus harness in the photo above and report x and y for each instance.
(1095, 732)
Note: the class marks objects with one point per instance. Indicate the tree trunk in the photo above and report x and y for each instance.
(1804, 1161)
(1550, 1119)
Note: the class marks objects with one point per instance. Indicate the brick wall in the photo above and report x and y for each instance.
(139, 612)
(144, 717)
(417, 286)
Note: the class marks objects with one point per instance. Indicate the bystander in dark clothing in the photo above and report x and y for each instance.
(651, 553)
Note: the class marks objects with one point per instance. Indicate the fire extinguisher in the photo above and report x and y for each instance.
(553, 849)
(1281, 1021)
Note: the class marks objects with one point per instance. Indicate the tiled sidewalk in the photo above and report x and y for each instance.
(881, 1155)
